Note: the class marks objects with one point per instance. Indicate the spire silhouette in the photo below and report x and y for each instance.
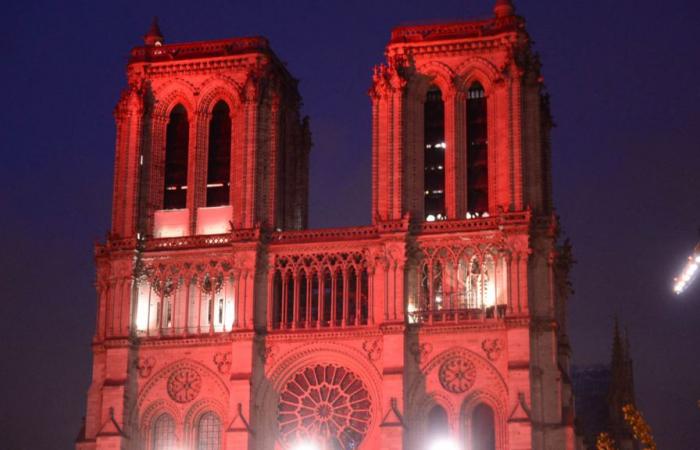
(154, 35)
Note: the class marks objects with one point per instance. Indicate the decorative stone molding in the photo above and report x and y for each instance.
(457, 374)
(184, 385)
(373, 348)
(222, 360)
(145, 366)
(492, 348)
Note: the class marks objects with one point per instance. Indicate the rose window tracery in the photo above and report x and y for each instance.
(184, 385)
(325, 402)
(457, 375)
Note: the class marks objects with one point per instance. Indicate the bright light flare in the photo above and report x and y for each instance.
(306, 445)
(690, 271)
(444, 444)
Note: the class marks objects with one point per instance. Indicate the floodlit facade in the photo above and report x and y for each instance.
(224, 323)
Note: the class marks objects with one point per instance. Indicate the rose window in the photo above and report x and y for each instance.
(326, 403)
(184, 385)
(457, 375)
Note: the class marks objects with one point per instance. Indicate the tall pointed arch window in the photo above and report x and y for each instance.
(437, 422)
(477, 151)
(483, 428)
(438, 429)
(219, 156)
(209, 432)
(434, 155)
(176, 154)
(164, 433)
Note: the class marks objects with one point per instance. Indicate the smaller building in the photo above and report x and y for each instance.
(601, 391)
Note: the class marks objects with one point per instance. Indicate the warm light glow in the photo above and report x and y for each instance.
(306, 445)
(430, 218)
(171, 223)
(214, 219)
(142, 306)
(412, 318)
(444, 444)
(230, 315)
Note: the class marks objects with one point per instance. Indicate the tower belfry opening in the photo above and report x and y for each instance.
(434, 161)
(219, 156)
(477, 151)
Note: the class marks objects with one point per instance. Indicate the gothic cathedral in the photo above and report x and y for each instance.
(224, 323)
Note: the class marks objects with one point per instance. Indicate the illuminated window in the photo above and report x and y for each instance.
(477, 282)
(164, 433)
(209, 432)
(434, 155)
(176, 154)
(219, 156)
(477, 151)
(483, 428)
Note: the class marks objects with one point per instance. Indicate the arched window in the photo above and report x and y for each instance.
(176, 154)
(219, 156)
(164, 433)
(437, 422)
(477, 151)
(483, 428)
(209, 432)
(434, 156)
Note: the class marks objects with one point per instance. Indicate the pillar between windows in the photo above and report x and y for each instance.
(457, 182)
(451, 153)
(155, 180)
(199, 162)
(191, 169)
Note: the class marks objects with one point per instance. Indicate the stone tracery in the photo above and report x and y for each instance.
(460, 282)
(457, 375)
(317, 290)
(326, 401)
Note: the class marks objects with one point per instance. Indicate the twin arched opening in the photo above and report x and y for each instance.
(176, 167)
(207, 433)
(479, 427)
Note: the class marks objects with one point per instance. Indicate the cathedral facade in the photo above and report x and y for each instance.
(224, 323)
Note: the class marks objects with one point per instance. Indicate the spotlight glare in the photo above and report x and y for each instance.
(444, 444)
(305, 445)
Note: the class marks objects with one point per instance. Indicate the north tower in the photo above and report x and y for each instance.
(223, 323)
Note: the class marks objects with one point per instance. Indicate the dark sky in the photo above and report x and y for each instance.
(623, 76)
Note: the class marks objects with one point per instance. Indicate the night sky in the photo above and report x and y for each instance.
(623, 77)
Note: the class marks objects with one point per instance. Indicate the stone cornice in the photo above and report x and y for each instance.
(473, 29)
(349, 333)
(488, 325)
(457, 47)
(198, 50)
